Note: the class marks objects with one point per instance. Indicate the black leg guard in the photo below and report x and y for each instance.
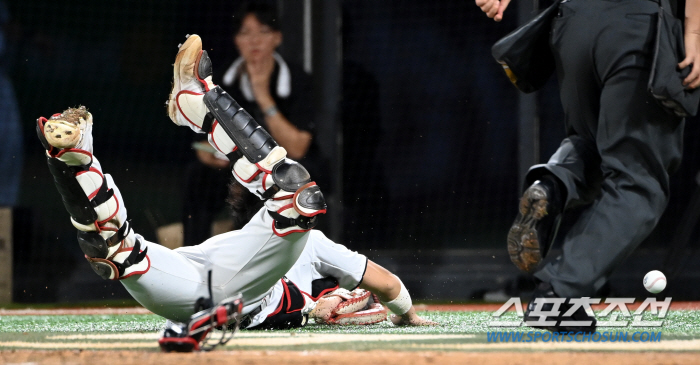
(251, 139)
(74, 199)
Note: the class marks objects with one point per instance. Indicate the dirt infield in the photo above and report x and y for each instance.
(344, 358)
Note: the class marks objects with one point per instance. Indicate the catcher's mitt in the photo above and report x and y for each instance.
(357, 307)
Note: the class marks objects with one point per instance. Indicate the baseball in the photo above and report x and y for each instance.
(654, 281)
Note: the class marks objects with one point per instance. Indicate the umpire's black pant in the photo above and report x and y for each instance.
(621, 144)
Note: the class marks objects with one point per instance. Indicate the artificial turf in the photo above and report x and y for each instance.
(680, 324)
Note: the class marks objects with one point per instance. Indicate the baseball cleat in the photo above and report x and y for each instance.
(535, 226)
(191, 79)
(70, 129)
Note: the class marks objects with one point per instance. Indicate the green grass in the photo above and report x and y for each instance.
(119, 303)
(463, 327)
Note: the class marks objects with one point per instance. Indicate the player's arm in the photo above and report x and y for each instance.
(294, 140)
(385, 285)
(391, 291)
(493, 8)
(692, 44)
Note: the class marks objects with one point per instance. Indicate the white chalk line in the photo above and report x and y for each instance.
(241, 339)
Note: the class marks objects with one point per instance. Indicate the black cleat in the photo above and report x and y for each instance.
(536, 225)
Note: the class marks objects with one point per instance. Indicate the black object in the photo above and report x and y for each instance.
(525, 54)
(586, 323)
(203, 303)
(536, 225)
(666, 79)
(74, 199)
(250, 138)
(289, 312)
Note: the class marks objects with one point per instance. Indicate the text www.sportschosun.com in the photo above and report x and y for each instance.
(533, 336)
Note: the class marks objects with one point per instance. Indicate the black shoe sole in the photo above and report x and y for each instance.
(524, 246)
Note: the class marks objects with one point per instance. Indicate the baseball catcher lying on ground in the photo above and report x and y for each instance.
(278, 265)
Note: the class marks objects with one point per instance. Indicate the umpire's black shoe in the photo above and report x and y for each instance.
(536, 225)
(578, 322)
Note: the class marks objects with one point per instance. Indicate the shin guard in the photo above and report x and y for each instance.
(96, 210)
(285, 185)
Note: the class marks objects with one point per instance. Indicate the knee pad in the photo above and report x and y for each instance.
(116, 256)
(290, 181)
(284, 180)
(125, 263)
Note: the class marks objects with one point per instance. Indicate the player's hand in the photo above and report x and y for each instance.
(411, 319)
(692, 59)
(324, 308)
(493, 8)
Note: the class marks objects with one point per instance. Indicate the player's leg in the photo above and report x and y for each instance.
(160, 279)
(634, 193)
(637, 141)
(91, 197)
(259, 164)
(571, 177)
(253, 259)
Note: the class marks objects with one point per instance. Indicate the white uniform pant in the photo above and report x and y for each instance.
(321, 258)
(250, 261)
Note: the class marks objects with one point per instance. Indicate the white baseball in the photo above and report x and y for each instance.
(655, 281)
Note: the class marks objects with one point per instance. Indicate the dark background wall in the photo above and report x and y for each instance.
(428, 123)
